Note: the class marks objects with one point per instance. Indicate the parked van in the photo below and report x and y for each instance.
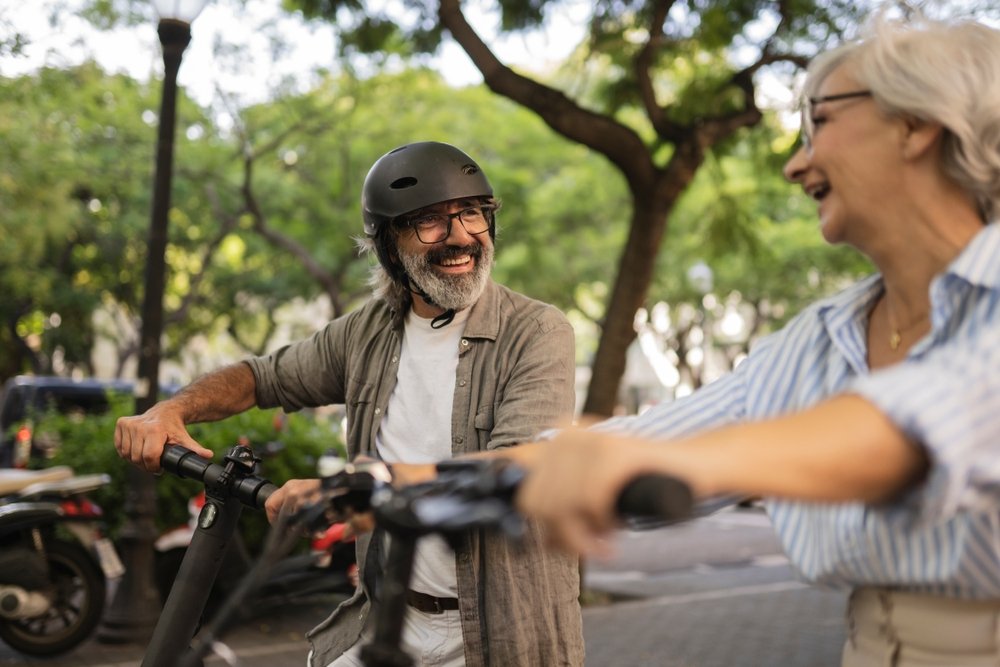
(26, 397)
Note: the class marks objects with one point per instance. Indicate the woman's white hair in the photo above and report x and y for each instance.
(945, 72)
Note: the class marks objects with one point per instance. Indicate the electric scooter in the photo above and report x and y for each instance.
(329, 566)
(467, 494)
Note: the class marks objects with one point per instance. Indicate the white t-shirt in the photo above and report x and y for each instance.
(416, 428)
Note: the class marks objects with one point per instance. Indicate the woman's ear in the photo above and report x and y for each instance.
(920, 137)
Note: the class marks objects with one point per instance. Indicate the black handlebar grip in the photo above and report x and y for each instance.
(183, 462)
(254, 491)
(655, 496)
(250, 490)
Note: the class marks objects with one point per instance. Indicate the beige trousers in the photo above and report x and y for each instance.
(892, 629)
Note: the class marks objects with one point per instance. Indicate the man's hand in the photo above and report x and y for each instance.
(141, 439)
(291, 497)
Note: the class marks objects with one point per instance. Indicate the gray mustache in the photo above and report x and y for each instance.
(436, 255)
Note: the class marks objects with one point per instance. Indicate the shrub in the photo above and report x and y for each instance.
(289, 446)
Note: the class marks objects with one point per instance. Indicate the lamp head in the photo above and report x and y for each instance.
(183, 11)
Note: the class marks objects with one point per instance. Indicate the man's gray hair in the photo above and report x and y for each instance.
(383, 286)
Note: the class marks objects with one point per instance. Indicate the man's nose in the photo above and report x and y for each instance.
(457, 233)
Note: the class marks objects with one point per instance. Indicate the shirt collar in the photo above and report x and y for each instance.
(845, 315)
(484, 319)
(979, 261)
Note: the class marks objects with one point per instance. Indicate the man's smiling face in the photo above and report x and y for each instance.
(452, 272)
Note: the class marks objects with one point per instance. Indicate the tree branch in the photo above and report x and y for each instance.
(664, 127)
(618, 143)
(326, 279)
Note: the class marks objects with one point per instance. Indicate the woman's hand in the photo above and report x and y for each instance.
(574, 481)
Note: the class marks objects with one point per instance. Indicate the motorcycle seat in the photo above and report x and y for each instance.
(13, 480)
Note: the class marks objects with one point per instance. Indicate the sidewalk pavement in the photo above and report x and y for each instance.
(779, 623)
(712, 593)
(273, 637)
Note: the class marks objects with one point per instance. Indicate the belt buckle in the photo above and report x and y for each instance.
(438, 609)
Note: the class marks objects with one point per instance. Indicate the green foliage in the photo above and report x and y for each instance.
(72, 198)
(85, 443)
(288, 174)
(757, 232)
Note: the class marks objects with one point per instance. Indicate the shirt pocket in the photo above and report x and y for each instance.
(360, 417)
(483, 423)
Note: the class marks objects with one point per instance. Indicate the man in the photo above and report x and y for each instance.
(442, 361)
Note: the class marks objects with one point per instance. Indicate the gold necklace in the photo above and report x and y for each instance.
(895, 333)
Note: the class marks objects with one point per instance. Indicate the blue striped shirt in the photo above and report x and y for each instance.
(943, 538)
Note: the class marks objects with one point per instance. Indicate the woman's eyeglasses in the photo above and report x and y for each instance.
(808, 126)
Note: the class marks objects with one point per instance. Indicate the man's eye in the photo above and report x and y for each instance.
(817, 120)
(430, 221)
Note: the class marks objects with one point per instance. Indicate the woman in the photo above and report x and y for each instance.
(871, 423)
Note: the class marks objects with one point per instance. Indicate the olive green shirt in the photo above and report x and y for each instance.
(518, 603)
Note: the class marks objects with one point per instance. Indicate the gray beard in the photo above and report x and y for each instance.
(450, 292)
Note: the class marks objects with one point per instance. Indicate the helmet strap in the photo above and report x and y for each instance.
(442, 320)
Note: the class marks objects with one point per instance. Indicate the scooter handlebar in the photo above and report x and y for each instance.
(655, 497)
(251, 490)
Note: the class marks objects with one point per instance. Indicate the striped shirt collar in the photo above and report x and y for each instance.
(845, 315)
(977, 263)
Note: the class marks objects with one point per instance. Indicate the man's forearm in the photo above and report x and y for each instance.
(222, 393)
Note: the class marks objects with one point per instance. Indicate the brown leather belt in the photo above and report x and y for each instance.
(430, 604)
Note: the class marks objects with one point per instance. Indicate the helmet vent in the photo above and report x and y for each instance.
(403, 183)
(469, 169)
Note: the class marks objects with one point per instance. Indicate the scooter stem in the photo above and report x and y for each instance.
(216, 525)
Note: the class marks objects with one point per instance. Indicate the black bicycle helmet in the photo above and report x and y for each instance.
(417, 175)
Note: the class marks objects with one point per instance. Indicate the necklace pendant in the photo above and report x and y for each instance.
(894, 340)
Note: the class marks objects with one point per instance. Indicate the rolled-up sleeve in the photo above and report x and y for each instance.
(305, 374)
(949, 403)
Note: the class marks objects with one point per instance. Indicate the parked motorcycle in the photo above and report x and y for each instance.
(54, 560)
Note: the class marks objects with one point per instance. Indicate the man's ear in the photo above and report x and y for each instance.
(920, 137)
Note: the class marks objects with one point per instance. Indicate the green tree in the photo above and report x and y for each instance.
(666, 84)
(73, 195)
(261, 214)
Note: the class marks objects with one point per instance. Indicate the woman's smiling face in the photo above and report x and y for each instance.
(849, 161)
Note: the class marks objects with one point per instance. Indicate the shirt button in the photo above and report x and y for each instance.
(378, 411)
(462, 383)
(459, 439)
(465, 342)
(395, 359)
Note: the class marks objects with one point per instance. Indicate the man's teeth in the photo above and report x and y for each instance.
(455, 261)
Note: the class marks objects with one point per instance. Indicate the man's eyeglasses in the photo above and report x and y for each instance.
(808, 127)
(436, 227)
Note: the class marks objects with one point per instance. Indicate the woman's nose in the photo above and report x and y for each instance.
(796, 165)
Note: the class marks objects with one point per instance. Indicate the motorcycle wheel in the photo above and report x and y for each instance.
(79, 590)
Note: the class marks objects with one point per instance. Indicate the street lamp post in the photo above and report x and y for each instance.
(135, 608)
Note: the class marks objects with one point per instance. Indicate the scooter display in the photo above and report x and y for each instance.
(54, 560)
